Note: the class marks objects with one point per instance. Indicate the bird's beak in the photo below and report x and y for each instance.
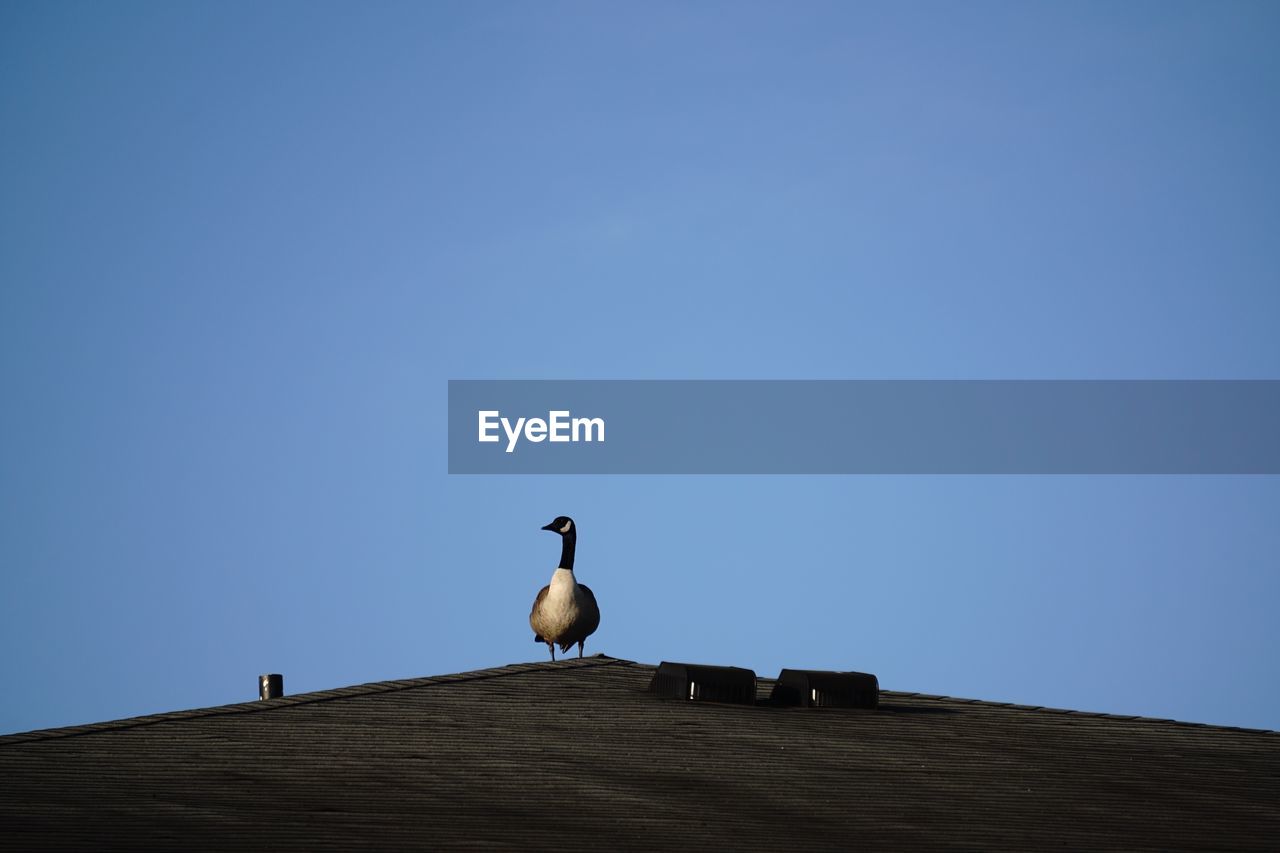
(551, 527)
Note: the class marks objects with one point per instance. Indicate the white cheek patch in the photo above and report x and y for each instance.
(566, 527)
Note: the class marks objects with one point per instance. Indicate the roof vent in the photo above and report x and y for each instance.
(270, 686)
(704, 683)
(813, 688)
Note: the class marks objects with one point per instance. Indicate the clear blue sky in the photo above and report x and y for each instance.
(243, 246)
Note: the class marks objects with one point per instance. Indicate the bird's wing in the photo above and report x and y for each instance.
(589, 620)
(537, 605)
(593, 614)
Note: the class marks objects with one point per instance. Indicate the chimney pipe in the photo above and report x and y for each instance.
(270, 686)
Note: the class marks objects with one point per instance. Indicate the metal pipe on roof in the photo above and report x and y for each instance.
(270, 686)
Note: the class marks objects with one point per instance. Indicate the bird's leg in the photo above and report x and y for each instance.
(580, 643)
(552, 646)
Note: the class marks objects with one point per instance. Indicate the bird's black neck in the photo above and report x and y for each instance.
(567, 543)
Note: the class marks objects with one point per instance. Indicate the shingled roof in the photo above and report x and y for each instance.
(577, 755)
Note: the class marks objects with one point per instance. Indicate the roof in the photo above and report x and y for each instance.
(578, 755)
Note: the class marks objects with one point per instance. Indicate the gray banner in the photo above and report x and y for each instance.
(863, 427)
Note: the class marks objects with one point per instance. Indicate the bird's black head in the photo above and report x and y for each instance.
(563, 525)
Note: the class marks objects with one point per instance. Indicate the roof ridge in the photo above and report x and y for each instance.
(260, 705)
(1104, 715)
(596, 660)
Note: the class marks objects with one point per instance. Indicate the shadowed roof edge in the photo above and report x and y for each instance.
(259, 705)
(593, 661)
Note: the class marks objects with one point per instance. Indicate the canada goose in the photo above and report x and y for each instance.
(565, 611)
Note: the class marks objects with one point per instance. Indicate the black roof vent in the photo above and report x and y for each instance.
(270, 686)
(704, 683)
(812, 688)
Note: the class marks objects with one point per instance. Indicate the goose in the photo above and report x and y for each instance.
(565, 611)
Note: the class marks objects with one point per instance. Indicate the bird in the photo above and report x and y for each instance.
(565, 611)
